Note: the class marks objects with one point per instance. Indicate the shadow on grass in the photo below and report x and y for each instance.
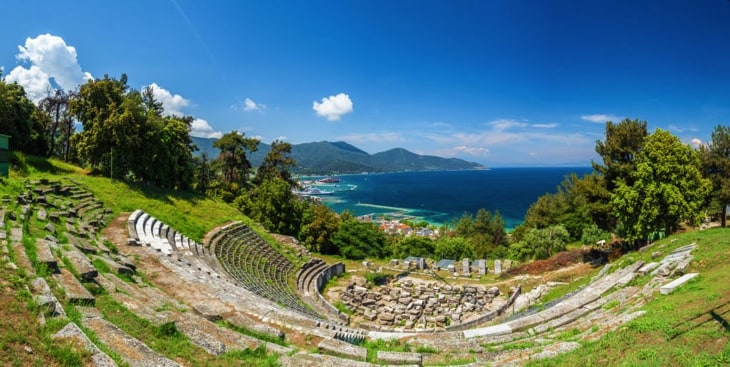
(720, 314)
(28, 164)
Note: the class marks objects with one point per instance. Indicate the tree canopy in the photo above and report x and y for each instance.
(667, 188)
(715, 157)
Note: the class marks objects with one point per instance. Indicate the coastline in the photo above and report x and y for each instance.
(440, 197)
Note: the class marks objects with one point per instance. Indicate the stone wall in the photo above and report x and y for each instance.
(322, 279)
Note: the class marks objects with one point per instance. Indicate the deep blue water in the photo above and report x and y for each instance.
(440, 197)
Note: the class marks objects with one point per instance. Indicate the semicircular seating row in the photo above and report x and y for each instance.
(161, 237)
(256, 265)
(241, 253)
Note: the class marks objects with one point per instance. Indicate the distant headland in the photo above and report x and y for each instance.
(324, 157)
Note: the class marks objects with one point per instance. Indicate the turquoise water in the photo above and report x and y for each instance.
(440, 197)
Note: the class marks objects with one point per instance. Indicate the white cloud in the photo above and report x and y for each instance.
(333, 107)
(696, 142)
(48, 57)
(600, 118)
(545, 126)
(473, 151)
(202, 129)
(506, 124)
(250, 105)
(172, 103)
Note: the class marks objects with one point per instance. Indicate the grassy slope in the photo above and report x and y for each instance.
(671, 333)
(678, 329)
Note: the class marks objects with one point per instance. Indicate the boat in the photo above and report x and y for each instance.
(312, 191)
(329, 180)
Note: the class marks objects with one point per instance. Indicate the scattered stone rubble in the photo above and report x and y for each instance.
(419, 305)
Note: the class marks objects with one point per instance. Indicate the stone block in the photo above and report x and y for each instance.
(400, 358)
(45, 256)
(343, 349)
(73, 332)
(671, 286)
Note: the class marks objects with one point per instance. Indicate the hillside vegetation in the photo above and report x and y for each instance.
(687, 327)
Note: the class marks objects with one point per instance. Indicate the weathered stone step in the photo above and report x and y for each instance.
(81, 243)
(45, 256)
(670, 287)
(343, 349)
(75, 291)
(400, 358)
(22, 258)
(81, 264)
(114, 266)
(131, 349)
(73, 332)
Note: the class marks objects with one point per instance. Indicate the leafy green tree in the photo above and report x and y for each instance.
(319, 229)
(20, 119)
(715, 158)
(112, 121)
(540, 243)
(593, 234)
(276, 164)
(619, 151)
(418, 246)
(453, 248)
(236, 166)
(203, 172)
(668, 188)
(274, 206)
(357, 240)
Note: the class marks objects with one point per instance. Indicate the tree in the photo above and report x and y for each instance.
(111, 120)
(236, 166)
(203, 172)
(56, 106)
(357, 240)
(715, 158)
(453, 248)
(415, 246)
(540, 243)
(274, 206)
(318, 232)
(623, 142)
(276, 164)
(667, 189)
(20, 119)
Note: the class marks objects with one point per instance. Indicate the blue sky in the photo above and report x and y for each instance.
(498, 82)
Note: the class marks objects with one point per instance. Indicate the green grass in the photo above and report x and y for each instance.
(253, 333)
(676, 329)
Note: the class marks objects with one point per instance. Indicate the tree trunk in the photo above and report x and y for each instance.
(724, 214)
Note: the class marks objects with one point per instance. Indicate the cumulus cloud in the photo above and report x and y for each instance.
(333, 107)
(473, 151)
(600, 118)
(696, 142)
(48, 57)
(250, 105)
(202, 129)
(172, 103)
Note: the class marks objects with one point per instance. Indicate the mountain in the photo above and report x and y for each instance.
(326, 157)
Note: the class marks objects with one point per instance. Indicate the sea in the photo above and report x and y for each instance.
(442, 197)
